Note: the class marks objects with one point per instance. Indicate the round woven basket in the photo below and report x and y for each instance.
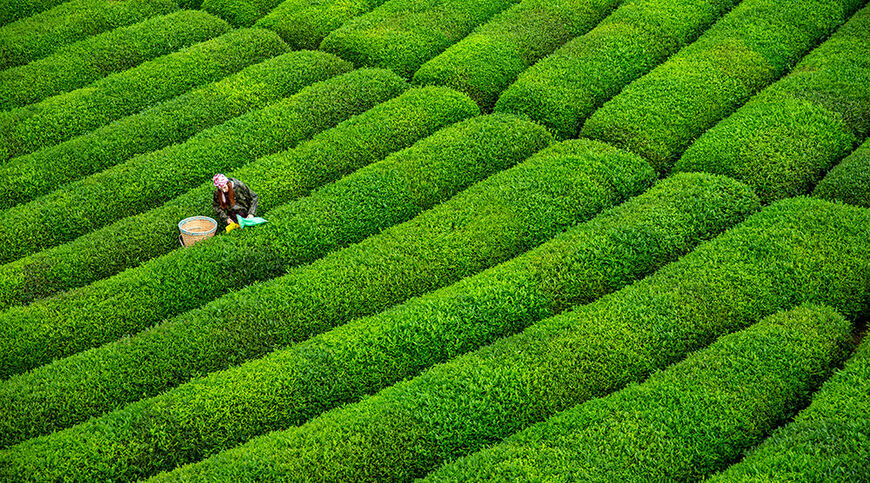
(196, 228)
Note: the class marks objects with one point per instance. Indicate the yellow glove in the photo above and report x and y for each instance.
(232, 226)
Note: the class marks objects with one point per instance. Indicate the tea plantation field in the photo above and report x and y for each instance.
(507, 240)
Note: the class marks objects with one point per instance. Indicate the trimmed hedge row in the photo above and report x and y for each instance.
(563, 89)
(61, 117)
(828, 441)
(154, 178)
(369, 137)
(368, 354)
(487, 61)
(12, 10)
(81, 63)
(849, 181)
(402, 35)
(798, 250)
(784, 140)
(35, 37)
(303, 24)
(683, 423)
(482, 226)
(241, 13)
(173, 121)
(660, 114)
(182, 280)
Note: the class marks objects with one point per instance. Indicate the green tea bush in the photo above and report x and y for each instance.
(241, 13)
(563, 89)
(141, 296)
(826, 442)
(371, 353)
(61, 117)
(784, 140)
(487, 61)
(400, 262)
(795, 251)
(683, 423)
(81, 63)
(849, 181)
(660, 114)
(41, 172)
(154, 178)
(402, 35)
(35, 37)
(13, 10)
(303, 24)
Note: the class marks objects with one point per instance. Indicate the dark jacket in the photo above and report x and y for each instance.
(245, 202)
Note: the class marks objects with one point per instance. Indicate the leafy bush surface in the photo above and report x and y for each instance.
(849, 181)
(304, 24)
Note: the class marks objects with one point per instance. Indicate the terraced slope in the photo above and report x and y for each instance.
(440, 291)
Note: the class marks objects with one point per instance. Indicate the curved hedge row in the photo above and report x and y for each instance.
(43, 171)
(563, 89)
(660, 114)
(402, 35)
(401, 262)
(12, 10)
(81, 63)
(784, 140)
(241, 13)
(826, 442)
(849, 181)
(303, 24)
(368, 137)
(35, 37)
(487, 61)
(160, 288)
(154, 178)
(683, 423)
(798, 250)
(371, 353)
(61, 117)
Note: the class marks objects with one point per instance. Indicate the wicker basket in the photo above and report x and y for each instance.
(195, 229)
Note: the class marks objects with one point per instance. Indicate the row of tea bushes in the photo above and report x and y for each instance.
(360, 280)
(795, 251)
(784, 140)
(183, 280)
(683, 423)
(41, 172)
(35, 37)
(366, 138)
(154, 178)
(849, 181)
(289, 386)
(563, 89)
(303, 24)
(826, 442)
(487, 61)
(660, 114)
(61, 117)
(402, 35)
(241, 13)
(12, 10)
(81, 63)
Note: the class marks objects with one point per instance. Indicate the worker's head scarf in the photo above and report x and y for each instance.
(220, 180)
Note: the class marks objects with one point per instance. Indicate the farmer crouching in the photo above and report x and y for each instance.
(232, 200)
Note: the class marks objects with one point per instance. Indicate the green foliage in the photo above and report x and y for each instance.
(154, 178)
(12, 10)
(795, 251)
(849, 181)
(35, 37)
(683, 423)
(188, 278)
(828, 441)
(660, 114)
(562, 90)
(81, 63)
(402, 35)
(242, 13)
(304, 24)
(371, 353)
(61, 117)
(788, 136)
(487, 61)
(173, 121)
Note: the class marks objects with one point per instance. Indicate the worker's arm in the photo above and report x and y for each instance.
(219, 212)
